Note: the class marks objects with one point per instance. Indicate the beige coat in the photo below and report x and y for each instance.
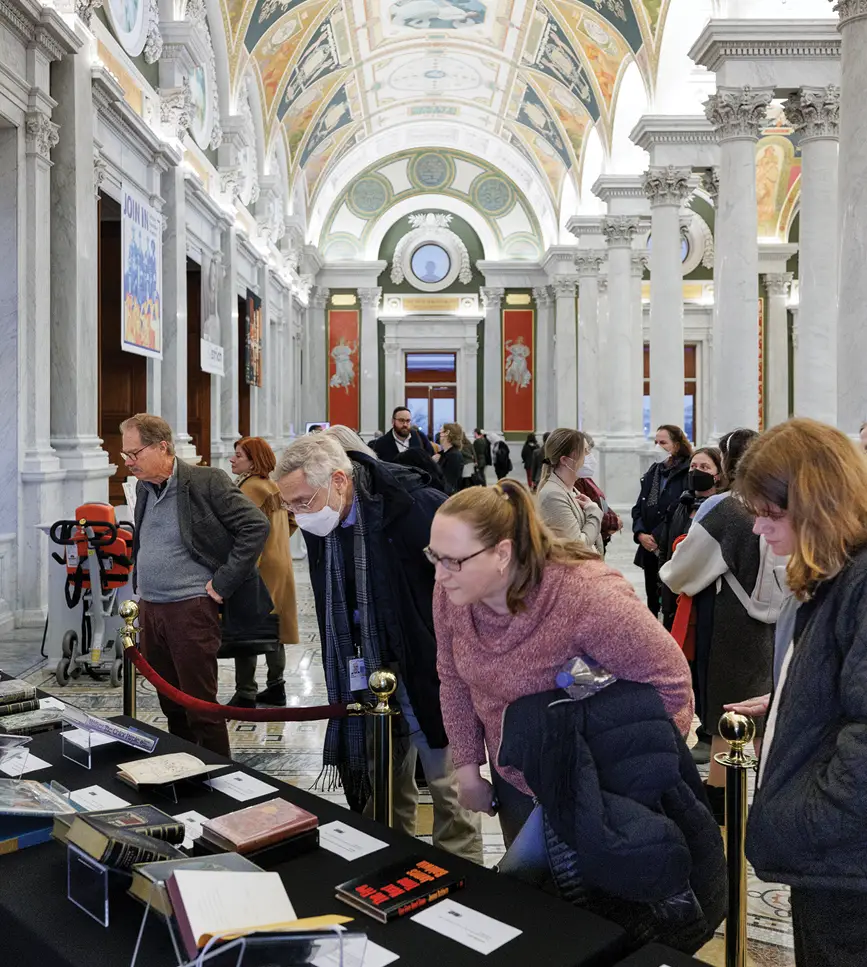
(275, 564)
(565, 517)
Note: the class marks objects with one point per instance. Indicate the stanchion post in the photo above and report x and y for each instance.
(738, 731)
(383, 684)
(129, 613)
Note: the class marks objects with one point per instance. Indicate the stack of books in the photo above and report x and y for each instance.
(20, 713)
(28, 811)
(271, 832)
(120, 838)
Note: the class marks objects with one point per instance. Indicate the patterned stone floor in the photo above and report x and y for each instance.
(292, 751)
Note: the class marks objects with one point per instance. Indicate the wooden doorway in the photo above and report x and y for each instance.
(122, 376)
(243, 385)
(430, 390)
(198, 382)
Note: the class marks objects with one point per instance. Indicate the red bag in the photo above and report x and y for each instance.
(683, 629)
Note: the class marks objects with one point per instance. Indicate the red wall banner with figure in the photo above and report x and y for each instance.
(761, 365)
(343, 398)
(518, 375)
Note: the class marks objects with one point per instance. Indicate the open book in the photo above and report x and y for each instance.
(162, 769)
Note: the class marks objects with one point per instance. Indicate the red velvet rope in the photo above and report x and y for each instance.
(303, 714)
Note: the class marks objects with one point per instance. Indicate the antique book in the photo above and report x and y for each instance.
(16, 690)
(26, 723)
(149, 879)
(18, 832)
(158, 770)
(116, 846)
(246, 830)
(27, 797)
(142, 819)
(400, 888)
(207, 904)
(15, 708)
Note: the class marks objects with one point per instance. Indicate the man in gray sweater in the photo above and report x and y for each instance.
(197, 540)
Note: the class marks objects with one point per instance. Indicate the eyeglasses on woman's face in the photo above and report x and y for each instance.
(452, 564)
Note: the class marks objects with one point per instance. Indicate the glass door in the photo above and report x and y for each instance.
(431, 390)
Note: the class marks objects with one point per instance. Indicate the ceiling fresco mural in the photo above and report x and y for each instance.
(539, 74)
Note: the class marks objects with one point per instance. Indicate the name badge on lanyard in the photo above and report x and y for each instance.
(357, 674)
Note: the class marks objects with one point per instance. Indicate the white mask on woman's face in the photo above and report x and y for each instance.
(589, 467)
(660, 454)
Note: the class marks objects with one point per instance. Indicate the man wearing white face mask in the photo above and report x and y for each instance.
(586, 484)
(366, 524)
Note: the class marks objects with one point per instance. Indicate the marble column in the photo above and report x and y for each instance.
(710, 185)
(492, 300)
(815, 114)
(71, 301)
(738, 115)
(778, 285)
(636, 349)
(280, 372)
(261, 423)
(224, 389)
(392, 377)
(295, 398)
(667, 187)
(316, 357)
(546, 363)
(566, 346)
(851, 331)
(174, 311)
(369, 360)
(602, 315)
(587, 265)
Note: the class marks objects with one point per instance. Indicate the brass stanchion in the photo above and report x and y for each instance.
(129, 613)
(383, 684)
(737, 730)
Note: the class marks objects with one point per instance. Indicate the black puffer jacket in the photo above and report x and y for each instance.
(629, 833)
(661, 488)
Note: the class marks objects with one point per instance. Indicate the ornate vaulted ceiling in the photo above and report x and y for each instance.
(538, 74)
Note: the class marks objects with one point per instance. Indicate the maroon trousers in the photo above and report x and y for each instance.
(181, 641)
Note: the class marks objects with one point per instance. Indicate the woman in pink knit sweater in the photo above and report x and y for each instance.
(512, 604)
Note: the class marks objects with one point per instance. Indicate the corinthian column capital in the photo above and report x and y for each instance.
(815, 112)
(738, 112)
(667, 185)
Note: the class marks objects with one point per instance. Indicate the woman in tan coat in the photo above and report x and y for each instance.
(253, 462)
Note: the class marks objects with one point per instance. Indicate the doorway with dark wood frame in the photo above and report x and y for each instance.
(198, 381)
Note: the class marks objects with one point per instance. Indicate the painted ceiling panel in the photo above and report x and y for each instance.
(321, 56)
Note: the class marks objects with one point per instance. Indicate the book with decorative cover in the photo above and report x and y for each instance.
(246, 830)
(16, 690)
(118, 847)
(143, 819)
(149, 879)
(15, 708)
(26, 723)
(399, 889)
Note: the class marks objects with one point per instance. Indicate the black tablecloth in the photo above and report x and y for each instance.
(655, 955)
(40, 927)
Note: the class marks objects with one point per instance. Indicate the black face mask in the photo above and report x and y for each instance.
(700, 480)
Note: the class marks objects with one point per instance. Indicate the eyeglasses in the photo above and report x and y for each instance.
(451, 563)
(133, 453)
(297, 507)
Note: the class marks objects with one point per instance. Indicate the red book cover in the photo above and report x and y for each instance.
(255, 827)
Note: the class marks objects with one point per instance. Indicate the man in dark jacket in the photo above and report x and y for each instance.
(402, 437)
(197, 540)
(366, 525)
(482, 450)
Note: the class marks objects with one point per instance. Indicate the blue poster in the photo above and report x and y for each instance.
(141, 268)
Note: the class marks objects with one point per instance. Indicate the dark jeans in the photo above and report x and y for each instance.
(830, 927)
(651, 582)
(514, 807)
(245, 671)
(181, 640)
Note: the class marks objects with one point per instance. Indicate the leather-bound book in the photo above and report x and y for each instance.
(255, 827)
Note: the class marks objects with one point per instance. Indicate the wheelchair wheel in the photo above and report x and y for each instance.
(61, 673)
(67, 646)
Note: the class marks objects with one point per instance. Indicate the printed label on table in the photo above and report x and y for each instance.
(95, 797)
(79, 737)
(374, 956)
(192, 826)
(20, 763)
(473, 929)
(240, 786)
(51, 702)
(348, 842)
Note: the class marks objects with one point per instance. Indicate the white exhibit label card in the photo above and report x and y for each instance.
(481, 933)
(348, 842)
(51, 702)
(95, 797)
(374, 956)
(80, 738)
(21, 762)
(240, 786)
(192, 826)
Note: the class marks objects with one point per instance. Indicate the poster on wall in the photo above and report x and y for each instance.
(211, 357)
(141, 275)
(761, 365)
(253, 355)
(343, 397)
(518, 362)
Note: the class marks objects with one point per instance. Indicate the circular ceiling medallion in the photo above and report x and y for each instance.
(431, 170)
(129, 21)
(200, 107)
(492, 195)
(368, 196)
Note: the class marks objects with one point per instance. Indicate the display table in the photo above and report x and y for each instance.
(39, 927)
(656, 955)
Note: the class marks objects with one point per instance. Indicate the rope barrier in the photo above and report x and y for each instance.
(303, 714)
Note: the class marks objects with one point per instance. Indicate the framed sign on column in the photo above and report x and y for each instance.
(142, 277)
(518, 376)
(343, 396)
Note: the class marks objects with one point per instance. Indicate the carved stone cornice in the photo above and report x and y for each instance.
(710, 183)
(85, 8)
(725, 40)
(587, 263)
(231, 182)
(640, 264)
(175, 107)
(778, 283)
(564, 287)
(652, 130)
(543, 295)
(40, 134)
(815, 112)
(667, 185)
(370, 298)
(319, 297)
(154, 44)
(40, 27)
(620, 230)
(850, 10)
(738, 113)
(492, 298)
(100, 169)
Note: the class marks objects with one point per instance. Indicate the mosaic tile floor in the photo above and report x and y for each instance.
(292, 751)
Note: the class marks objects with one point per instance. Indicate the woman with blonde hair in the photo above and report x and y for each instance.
(513, 604)
(806, 484)
(458, 459)
(569, 514)
(253, 462)
(349, 440)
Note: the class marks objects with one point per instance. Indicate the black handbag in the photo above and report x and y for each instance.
(250, 626)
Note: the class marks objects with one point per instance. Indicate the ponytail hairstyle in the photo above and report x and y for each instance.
(507, 512)
(561, 442)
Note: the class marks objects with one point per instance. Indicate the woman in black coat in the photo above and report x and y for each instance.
(661, 488)
(451, 460)
(527, 452)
